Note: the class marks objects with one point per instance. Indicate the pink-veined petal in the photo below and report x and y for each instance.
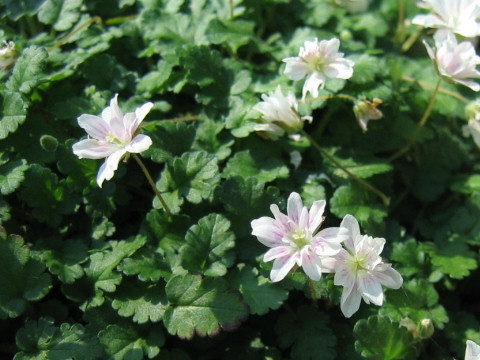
(116, 120)
(329, 264)
(281, 267)
(94, 149)
(95, 126)
(277, 252)
(267, 231)
(139, 144)
(108, 168)
(283, 220)
(294, 207)
(312, 265)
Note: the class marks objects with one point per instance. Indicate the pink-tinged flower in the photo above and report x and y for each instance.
(455, 62)
(280, 114)
(294, 238)
(112, 136)
(318, 60)
(459, 16)
(360, 270)
(473, 129)
(472, 352)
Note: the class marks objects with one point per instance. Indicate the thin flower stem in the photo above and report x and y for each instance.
(313, 292)
(420, 125)
(441, 90)
(120, 19)
(332, 96)
(86, 24)
(152, 183)
(362, 182)
(411, 40)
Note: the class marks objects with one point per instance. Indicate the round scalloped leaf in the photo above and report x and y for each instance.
(202, 306)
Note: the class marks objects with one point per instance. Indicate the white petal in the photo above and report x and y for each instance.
(140, 114)
(283, 220)
(351, 224)
(95, 126)
(108, 168)
(312, 83)
(472, 352)
(281, 267)
(267, 231)
(94, 149)
(294, 207)
(387, 276)
(341, 69)
(315, 216)
(296, 69)
(370, 288)
(312, 265)
(116, 120)
(350, 302)
(329, 264)
(428, 21)
(139, 144)
(277, 252)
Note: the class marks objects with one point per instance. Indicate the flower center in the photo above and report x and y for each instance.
(300, 238)
(319, 64)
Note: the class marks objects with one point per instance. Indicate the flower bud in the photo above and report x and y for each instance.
(8, 55)
(48, 143)
(425, 329)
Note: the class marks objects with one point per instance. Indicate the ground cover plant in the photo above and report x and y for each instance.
(238, 179)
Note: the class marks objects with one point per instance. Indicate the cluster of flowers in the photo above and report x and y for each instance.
(455, 62)
(296, 241)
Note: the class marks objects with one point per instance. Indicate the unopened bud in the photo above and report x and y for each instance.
(425, 329)
(8, 55)
(48, 143)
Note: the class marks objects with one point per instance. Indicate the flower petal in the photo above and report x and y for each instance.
(294, 207)
(312, 83)
(312, 265)
(108, 168)
(140, 114)
(370, 288)
(350, 302)
(472, 352)
(139, 144)
(95, 126)
(277, 252)
(351, 224)
(387, 276)
(296, 69)
(267, 231)
(93, 149)
(281, 267)
(315, 216)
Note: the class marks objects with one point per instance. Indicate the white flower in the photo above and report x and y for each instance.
(367, 110)
(280, 114)
(8, 55)
(318, 60)
(472, 352)
(294, 238)
(454, 61)
(112, 136)
(459, 16)
(360, 270)
(473, 129)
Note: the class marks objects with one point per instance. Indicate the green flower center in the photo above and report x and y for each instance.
(300, 238)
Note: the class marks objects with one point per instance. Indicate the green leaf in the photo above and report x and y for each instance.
(466, 184)
(25, 75)
(365, 69)
(64, 258)
(12, 175)
(49, 198)
(308, 333)
(259, 292)
(193, 176)
(144, 303)
(147, 265)
(463, 326)
(357, 201)
(62, 14)
(208, 248)
(417, 300)
(201, 305)
(209, 138)
(380, 338)
(230, 33)
(409, 255)
(251, 163)
(14, 113)
(452, 257)
(22, 278)
(45, 341)
(124, 342)
(155, 81)
(361, 166)
(170, 140)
